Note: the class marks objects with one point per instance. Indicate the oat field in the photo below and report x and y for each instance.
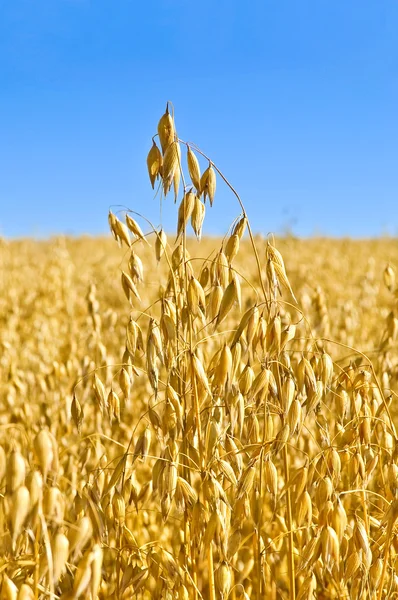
(185, 417)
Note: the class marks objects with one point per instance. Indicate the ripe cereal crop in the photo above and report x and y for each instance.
(184, 417)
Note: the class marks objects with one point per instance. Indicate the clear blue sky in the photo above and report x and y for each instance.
(295, 100)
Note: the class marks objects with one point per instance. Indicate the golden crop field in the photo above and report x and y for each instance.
(208, 419)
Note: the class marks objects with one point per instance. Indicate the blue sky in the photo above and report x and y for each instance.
(295, 101)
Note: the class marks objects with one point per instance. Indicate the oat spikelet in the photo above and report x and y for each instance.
(243, 323)
(129, 286)
(154, 163)
(176, 181)
(194, 169)
(281, 438)
(171, 166)
(20, 505)
(82, 576)
(166, 130)
(99, 390)
(200, 373)
(247, 480)
(230, 296)
(77, 413)
(197, 218)
(278, 267)
(9, 590)
(143, 444)
(208, 184)
(135, 229)
(44, 451)
(160, 244)
(112, 224)
(232, 247)
(184, 212)
(223, 579)
(389, 278)
(60, 552)
(96, 570)
(195, 296)
(240, 228)
(214, 302)
(119, 230)
(79, 535)
(25, 592)
(16, 471)
(136, 267)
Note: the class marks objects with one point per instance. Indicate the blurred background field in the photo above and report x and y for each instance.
(338, 282)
